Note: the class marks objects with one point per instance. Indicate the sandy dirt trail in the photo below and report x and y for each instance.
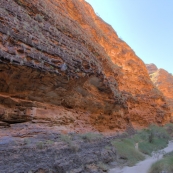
(143, 166)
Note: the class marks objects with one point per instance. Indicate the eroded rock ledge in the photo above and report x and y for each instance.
(60, 53)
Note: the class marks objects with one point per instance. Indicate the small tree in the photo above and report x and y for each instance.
(151, 137)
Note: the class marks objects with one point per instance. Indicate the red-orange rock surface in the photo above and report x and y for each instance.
(163, 81)
(152, 68)
(60, 53)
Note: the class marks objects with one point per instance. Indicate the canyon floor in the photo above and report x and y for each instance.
(39, 148)
(144, 166)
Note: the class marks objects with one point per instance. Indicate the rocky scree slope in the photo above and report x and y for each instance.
(46, 152)
(163, 80)
(60, 53)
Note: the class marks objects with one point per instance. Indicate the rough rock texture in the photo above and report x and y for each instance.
(163, 81)
(35, 148)
(152, 68)
(60, 53)
(63, 70)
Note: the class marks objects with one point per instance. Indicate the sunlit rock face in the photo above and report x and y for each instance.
(56, 54)
(163, 81)
(152, 68)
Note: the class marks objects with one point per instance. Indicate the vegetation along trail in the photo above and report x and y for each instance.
(144, 166)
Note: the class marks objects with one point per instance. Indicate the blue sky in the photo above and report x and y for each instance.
(145, 25)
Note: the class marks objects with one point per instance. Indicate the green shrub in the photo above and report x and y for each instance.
(147, 147)
(66, 138)
(163, 165)
(49, 142)
(91, 136)
(152, 139)
(26, 141)
(159, 132)
(126, 150)
(40, 145)
(169, 129)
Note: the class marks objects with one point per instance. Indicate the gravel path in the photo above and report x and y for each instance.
(144, 166)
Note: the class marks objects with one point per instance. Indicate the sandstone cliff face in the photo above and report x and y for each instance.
(59, 53)
(163, 81)
(152, 68)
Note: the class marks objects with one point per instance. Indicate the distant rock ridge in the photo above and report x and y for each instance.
(151, 68)
(163, 80)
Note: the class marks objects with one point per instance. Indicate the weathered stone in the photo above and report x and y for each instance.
(65, 57)
(152, 68)
(164, 82)
(3, 124)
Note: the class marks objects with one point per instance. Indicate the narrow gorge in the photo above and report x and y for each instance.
(63, 70)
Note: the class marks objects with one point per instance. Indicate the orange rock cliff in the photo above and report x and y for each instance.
(163, 81)
(62, 63)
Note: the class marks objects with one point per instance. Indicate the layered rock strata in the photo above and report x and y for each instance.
(60, 53)
(163, 80)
